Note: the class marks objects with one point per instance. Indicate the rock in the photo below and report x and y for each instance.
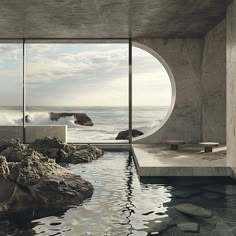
(222, 229)
(13, 151)
(159, 225)
(85, 153)
(189, 227)
(4, 169)
(80, 118)
(40, 182)
(193, 210)
(29, 179)
(27, 119)
(124, 135)
(185, 193)
(61, 152)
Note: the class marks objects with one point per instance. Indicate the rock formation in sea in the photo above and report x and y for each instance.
(124, 135)
(32, 179)
(80, 118)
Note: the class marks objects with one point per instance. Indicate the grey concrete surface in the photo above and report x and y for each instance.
(199, 70)
(41, 131)
(183, 57)
(9, 132)
(231, 86)
(109, 18)
(213, 84)
(156, 160)
(33, 132)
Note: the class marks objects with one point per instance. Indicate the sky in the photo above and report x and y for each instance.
(81, 75)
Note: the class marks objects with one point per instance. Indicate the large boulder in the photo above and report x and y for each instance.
(37, 181)
(124, 135)
(12, 150)
(80, 118)
(54, 148)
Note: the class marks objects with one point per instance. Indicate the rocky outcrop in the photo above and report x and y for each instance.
(124, 135)
(29, 179)
(80, 118)
(61, 152)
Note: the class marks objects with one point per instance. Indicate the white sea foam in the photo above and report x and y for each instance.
(108, 122)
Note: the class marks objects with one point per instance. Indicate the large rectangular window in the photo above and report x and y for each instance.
(81, 85)
(11, 90)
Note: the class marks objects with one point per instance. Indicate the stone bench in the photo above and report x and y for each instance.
(174, 144)
(209, 145)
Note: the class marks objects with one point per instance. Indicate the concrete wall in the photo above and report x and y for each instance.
(214, 85)
(199, 70)
(9, 132)
(231, 85)
(183, 57)
(33, 132)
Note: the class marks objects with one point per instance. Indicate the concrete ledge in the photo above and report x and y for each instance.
(153, 161)
(34, 132)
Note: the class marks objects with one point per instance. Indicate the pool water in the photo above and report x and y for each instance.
(123, 205)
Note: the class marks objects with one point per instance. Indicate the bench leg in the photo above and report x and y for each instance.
(208, 149)
(174, 147)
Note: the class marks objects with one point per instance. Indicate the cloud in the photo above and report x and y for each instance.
(91, 74)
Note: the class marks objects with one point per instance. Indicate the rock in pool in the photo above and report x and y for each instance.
(124, 135)
(30, 179)
(66, 153)
(193, 210)
(188, 227)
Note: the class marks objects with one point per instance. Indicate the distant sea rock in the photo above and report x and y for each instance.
(80, 118)
(124, 135)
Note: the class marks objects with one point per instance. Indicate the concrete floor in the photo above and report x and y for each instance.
(190, 160)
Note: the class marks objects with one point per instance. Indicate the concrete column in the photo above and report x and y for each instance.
(231, 85)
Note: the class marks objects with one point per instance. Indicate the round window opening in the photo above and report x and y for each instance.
(153, 94)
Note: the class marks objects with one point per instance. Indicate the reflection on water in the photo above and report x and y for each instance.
(122, 205)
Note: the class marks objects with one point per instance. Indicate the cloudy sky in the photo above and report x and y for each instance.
(81, 75)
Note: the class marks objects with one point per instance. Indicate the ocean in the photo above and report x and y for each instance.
(108, 121)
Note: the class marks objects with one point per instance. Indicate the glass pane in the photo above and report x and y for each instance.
(152, 92)
(81, 85)
(11, 90)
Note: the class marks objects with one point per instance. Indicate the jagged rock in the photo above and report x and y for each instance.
(193, 210)
(4, 169)
(188, 227)
(32, 180)
(61, 152)
(80, 118)
(85, 153)
(124, 135)
(13, 151)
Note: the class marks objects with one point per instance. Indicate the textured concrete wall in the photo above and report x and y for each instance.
(34, 132)
(9, 132)
(214, 85)
(231, 85)
(183, 57)
(199, 70)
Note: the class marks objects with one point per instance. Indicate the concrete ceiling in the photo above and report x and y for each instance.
(109, 18)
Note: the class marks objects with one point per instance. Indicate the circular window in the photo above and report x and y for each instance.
(153, 91)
